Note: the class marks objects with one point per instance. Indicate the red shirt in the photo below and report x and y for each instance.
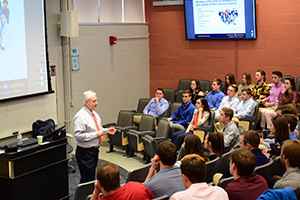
(131, 190)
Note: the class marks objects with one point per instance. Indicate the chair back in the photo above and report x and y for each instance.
(162, 129)
(278, 169)
(142, 104)
(169, 94)
(224, 162)
(205, 84)
(212, 122)
(297, 84)
(179, 96)
(175, 107)
(264, 170)
(255, 115)
(139, 174)
(83, 190)
(165, 197)
(180, 153)
(233, 144)
(125, 118)
(287, 76)
(150, 145)
(225, 181)
(184, 84)
(212, 168)
(147, 123)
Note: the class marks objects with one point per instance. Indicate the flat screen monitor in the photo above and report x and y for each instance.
(23, 49)
(220, 19)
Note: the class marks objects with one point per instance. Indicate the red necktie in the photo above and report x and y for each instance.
(98, 129)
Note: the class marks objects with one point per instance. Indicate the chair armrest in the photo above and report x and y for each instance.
(202, 128)
(160, 139)
(249, 119)
(271, 136)
(109, 125)
(133, 131)
(143, 133)
(127, 128)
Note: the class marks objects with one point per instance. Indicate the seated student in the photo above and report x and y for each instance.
(196, 91)
(275, 91)
(179, 119)
(167, 180)
(229, 130)
(279, 128)
(290, 159)
(245, 185)
(246, 83)
(108, 183)
(229, 80)
(157, 105)
(229, 101)
(201, 117)
(193, 145)
(250, 140)
(292, 123)
(214, 142)
(215, 96)
(260, 90)
(247, 106)
(289, 95)
(193, 169)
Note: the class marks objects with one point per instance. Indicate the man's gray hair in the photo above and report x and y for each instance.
(87, 95)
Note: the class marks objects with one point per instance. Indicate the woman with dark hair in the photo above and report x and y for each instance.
(214, 142)
(193, 145)
(196, 91)
(229, 80)
(246, 83)
(280, 129)
(201, 117)
(289, 93)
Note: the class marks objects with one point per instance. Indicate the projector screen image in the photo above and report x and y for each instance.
(220, 19)
(23, 53)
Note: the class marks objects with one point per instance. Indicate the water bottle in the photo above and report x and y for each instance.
(276, 102)
(19, 136)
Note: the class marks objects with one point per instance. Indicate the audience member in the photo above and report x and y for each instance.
(196, 91)
(201, 117)
(290, 155)
(157, 105)
(184, 114)
(246, 107)
(229, 80)
(167, 179)
(229, 101)
(108, 183)
(260, 90)
(292, 123)
(214, 142)
(193, 169)
(250, 140)
(279, 128)
(289, 95)
(246, 83)
(275, 91)
(215, 96)
(229, 130)
(193, 145)
(245, 185)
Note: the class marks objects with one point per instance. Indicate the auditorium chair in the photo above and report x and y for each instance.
(169, 94)
(205, 84)
(249, 123)
(184, 84)
(264, 170)
(212, 168)
(139, 174)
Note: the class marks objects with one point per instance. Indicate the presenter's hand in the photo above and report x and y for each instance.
(100, 134)
(111, 131)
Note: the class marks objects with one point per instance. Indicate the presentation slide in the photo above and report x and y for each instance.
(219, 16)
(22, 48)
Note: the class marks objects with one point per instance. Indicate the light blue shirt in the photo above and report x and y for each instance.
(155, 109)
(85, 129)
(245, 108)
(228, 103)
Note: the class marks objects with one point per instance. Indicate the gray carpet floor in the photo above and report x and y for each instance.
(75, 177)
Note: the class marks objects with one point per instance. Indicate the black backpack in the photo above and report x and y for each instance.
(43, 128)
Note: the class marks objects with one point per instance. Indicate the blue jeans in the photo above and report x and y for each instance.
(178, 137)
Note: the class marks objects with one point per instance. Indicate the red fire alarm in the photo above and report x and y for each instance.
(112, 40)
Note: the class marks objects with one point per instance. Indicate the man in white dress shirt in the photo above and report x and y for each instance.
(88, 137)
